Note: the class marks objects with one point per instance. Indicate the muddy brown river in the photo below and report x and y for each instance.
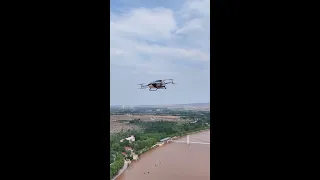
(173, 161)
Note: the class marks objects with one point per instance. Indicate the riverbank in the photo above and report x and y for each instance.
(196, 132)
(177, 137)
(125, 166)
(153, 148)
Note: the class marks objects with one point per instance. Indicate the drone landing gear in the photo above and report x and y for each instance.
(153, 90)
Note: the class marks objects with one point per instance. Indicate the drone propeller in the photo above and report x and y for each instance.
(169, 82)
(142, 86)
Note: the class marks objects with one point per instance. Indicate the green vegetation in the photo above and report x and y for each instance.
(151, 133)
(116, 165)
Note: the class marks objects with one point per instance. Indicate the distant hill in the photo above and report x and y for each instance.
(188, 106)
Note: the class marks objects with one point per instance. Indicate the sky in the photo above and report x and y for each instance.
(152, 40)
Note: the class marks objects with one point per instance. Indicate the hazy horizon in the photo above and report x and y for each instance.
(158, 104)
(152, 40)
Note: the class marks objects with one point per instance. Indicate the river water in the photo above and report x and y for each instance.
(173, 161)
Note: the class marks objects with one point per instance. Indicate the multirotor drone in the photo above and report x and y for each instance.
(158, 84)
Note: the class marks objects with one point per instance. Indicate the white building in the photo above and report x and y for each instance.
(130, 139)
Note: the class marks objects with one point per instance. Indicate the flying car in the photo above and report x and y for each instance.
(158, 84)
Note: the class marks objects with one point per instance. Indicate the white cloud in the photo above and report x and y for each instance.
(195, 8)
(158, 43)
(115, 51)
(172, 52)
(152, 24)
(192, 25)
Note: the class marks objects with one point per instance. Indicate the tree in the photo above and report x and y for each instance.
(137, 136)
(116, 147)
(128, 153)
(119, 157)
(135, 146)
(125, 142)
(140, 144)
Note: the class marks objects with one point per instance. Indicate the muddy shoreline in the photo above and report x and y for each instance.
(150, 151)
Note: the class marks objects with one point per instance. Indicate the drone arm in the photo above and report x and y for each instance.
(143, 86)
(170, 82)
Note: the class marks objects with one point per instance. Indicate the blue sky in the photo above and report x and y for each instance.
(151, 40)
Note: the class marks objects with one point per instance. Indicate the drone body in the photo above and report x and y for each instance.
(158, 84)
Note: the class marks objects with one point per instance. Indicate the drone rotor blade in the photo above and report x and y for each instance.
(170, 82)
